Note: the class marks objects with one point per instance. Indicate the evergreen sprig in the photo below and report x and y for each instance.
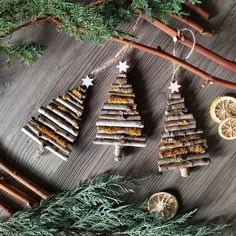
(92, 23)
(27, 53)
(98, 22)
(96, 207)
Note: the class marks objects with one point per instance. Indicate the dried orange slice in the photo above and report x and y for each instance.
(222, 108)
(164, 203)
(227, 129)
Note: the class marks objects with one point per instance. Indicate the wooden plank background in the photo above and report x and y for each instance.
(23, 90)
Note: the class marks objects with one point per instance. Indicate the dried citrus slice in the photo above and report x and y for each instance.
(164, 203)
(227, 129)
(222, 108)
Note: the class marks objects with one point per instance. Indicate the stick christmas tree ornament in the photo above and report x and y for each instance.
(119, 123)
(182, 145)
(57, 125)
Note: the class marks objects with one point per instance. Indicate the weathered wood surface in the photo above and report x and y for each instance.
(23, 90)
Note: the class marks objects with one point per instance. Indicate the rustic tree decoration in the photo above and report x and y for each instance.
(182, 145)
(57, 125)
(119, 124)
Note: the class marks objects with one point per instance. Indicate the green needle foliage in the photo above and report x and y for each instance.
(98, 22)
(96, 207)
(27, 53)
(92, 23)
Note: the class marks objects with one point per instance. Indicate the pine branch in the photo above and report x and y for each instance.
(27, 53)
(96, 207)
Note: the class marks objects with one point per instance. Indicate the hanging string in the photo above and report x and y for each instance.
(175, 40)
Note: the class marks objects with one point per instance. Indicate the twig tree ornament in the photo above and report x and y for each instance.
(57, 125)
(119, 123)
(182, 145)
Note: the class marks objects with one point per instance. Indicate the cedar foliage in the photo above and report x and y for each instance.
(27, 53)
(99, 22)
(96, 207)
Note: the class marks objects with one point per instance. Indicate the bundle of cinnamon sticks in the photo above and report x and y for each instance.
(17, 193)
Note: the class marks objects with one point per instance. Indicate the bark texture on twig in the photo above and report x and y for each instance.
(189, 43)
(160, 53)
(201, 12)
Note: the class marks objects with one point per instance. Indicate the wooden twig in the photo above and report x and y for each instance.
(7, 209)
(163, 161)
(204, 14)
(23, 180)
(185, 164)
(189, 43)
(194, 25)
(119, 123)
(58, 121)
(45, 144)
(29, 201)
(160, 53)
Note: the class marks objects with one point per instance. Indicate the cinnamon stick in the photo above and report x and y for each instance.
(189, 43)
(23, 180)
(7, 209)
(160, 53)
(17, 194)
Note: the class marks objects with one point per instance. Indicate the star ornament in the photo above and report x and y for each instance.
(122, 66)
(174, 87)
(87, 82)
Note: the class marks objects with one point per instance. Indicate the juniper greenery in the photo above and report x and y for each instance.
(28, 53)
(98, 22)
(96, 207)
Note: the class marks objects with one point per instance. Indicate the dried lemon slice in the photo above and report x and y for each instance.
(222, 108)
(227, 129)
(164, 203)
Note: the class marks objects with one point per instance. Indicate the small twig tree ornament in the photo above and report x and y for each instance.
(119, 123)
(57, 125)
(182, 145)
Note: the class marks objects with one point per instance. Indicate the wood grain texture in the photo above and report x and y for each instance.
(23, 90)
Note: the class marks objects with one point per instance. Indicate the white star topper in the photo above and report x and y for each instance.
(122, 66)
(174, 87)
(87, 82)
